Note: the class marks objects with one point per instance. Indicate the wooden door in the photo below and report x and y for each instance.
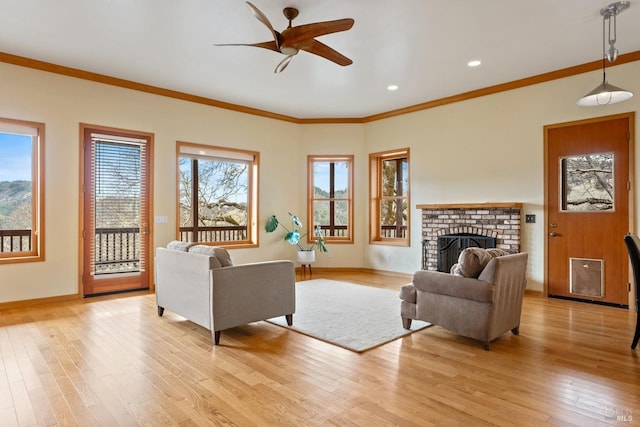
(587, 190)
(115, 223)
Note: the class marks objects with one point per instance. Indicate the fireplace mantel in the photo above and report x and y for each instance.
(486, 205)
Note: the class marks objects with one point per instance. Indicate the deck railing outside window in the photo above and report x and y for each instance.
(214, 234)
(389, 231)
(394, 232)
(117, 250)
(15, 240)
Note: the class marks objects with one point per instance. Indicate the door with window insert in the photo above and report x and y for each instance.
(588, 209)
(116, 215)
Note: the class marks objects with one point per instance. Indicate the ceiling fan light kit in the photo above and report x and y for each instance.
(301, 37)
(605, 93)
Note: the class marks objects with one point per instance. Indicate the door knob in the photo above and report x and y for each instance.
(553, 234)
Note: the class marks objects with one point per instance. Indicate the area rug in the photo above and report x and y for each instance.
(355, 317)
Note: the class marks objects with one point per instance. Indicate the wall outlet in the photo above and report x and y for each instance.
(530, 218)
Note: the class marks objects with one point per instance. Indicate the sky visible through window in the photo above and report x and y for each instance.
(15, 157)
(321, 176)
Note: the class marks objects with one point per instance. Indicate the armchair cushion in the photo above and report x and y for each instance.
(468, 288)
(473, 260)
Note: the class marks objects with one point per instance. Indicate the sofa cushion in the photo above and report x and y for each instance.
(473, 260)
(178, 245)
(221, 254)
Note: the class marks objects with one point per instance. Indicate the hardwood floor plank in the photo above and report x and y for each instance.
(22, 403)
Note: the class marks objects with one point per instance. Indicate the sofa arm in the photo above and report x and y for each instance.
(250, 292)
(183, 285)
(456, 286)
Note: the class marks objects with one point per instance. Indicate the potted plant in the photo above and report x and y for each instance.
(294, 236)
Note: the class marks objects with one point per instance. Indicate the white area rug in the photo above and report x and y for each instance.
(355, 317)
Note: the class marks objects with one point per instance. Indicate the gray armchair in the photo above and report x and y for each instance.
(482, 307)
(201, 284)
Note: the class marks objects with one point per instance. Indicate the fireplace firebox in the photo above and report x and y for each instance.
(451, 245)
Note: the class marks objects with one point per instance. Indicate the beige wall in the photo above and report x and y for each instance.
(502, 133)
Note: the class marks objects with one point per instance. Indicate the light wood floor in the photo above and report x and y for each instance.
(114, 362)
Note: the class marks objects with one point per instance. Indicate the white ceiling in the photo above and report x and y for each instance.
(423, 46)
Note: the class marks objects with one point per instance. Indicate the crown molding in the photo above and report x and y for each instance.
(128, 84)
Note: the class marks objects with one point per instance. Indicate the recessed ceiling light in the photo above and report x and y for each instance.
(474, 63)
(392, 87)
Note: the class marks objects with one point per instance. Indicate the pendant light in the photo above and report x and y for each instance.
(605, 93)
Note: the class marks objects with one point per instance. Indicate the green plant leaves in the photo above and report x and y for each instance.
(320, 240)
(272, 224)
(295, 220)
(292, 237)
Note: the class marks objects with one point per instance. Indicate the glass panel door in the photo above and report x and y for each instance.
(116, 212)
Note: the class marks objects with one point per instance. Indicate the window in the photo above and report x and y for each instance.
(389, 197)
(330, 180)
(217, 195)
(587, 183)
(21, 191)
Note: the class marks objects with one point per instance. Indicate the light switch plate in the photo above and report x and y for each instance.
(161, 219)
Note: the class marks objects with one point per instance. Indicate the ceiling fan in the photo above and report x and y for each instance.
(302, 37)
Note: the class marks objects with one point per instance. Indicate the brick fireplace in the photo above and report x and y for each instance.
(498, 220)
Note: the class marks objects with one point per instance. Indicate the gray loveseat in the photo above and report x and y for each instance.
(481, 299)
(201, 283)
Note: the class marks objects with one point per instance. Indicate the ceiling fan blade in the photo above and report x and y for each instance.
(271, 45)
(263, 18)
(294, 35)
(283, 64)
(321, 49)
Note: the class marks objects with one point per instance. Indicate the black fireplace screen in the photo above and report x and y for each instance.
(450, 246)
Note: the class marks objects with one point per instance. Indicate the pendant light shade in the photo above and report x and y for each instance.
(605, 93)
